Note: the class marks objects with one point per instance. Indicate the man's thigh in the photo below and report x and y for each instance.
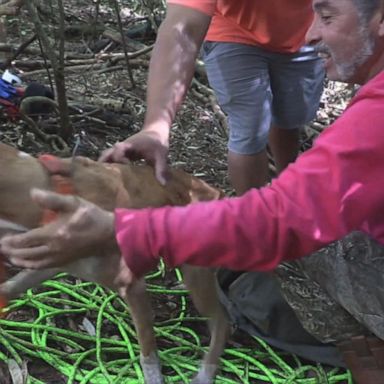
(239, 75)
(297, 84)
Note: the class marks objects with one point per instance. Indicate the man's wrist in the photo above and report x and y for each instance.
(159, 130)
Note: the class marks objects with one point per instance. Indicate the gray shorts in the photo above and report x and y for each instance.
(257, 88)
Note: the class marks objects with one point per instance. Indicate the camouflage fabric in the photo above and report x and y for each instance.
(338, 292)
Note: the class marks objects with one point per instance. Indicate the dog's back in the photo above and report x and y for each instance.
(107, 185)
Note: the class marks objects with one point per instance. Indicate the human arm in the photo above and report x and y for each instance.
(331, 190)
(171, 70)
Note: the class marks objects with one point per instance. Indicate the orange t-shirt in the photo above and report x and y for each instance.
(276, 25)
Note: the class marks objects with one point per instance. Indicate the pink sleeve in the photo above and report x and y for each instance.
(332, 189)
(205, 6)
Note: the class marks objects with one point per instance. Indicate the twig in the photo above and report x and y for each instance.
(129, 69)
(19, 50)
(58, 70)
(118, 56)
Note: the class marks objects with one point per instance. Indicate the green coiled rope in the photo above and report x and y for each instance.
(108, 353)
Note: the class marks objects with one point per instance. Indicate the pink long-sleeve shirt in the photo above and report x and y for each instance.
(332, 189)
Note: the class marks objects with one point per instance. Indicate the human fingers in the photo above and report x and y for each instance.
(21, 253)
(116, 154)
(55, 201)
(106, 156)
(31, 238)
(16, 254)
(33, 258)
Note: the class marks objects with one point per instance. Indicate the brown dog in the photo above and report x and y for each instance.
(110, 186)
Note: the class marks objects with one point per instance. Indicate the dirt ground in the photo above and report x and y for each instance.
(106, 108)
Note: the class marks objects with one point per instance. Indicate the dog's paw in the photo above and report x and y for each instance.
(206, 374)
(151, 369)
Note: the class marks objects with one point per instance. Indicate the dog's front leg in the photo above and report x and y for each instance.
(202, 286)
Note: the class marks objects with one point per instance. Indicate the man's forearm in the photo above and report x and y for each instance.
(172, 65)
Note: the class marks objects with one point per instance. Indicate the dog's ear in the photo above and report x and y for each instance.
(201, 191)
(184, 188)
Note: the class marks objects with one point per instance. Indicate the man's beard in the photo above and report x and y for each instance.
(347, 70)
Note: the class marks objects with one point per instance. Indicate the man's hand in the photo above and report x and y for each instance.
(145, 145)
(81, 230)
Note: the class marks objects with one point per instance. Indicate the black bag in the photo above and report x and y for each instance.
(256, 305)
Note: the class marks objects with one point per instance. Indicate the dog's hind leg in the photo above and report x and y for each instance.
(141, 311)
(202, 286)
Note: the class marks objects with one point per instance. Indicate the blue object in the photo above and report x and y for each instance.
(7, 91)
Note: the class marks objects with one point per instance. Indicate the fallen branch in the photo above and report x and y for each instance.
(77, 68)
(115, 105)
(116, 38)
(104, 58)
(115, 57)
(35, 51)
